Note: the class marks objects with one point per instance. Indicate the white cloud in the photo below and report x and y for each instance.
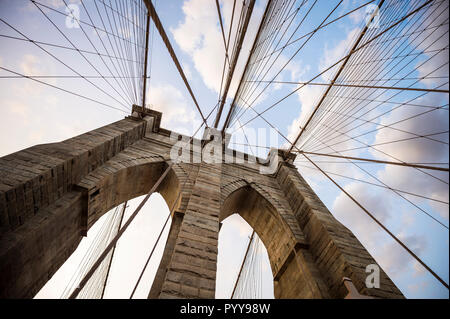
(177, 114)
(333, 53)
(419, 269)
(417, 287)
(412, 120)
(56, 4)
(33, 113)
(418, 150)
(308, 97)
(200, 36)
(353, 217)
(396, 260)
(412, 181)
(357, 16)
(434, 38)
(240, 224)
(388, 253)
(30, 65)
(187, 71)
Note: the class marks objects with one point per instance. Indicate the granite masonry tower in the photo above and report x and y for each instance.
(51, 194)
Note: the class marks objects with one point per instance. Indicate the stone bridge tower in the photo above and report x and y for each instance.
(51, 194)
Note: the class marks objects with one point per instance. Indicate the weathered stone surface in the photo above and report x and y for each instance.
(51, 194)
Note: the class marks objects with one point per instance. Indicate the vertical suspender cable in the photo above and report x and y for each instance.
(144, 86)
(122, 214)
(242, 266)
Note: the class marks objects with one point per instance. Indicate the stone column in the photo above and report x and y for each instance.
(177, 219)
(191, 272)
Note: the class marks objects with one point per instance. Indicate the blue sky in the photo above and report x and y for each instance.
(33, 114)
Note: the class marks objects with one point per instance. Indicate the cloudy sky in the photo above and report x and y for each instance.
(32, 113)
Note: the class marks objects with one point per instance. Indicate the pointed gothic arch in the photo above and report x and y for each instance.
(229, 259)
(265, 215)
(51, 194)
(34, 251)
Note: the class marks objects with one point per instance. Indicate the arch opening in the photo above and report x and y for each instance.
(131, 182)
(130, 255)
(255, 279)
(259, 213)
(114, 187)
